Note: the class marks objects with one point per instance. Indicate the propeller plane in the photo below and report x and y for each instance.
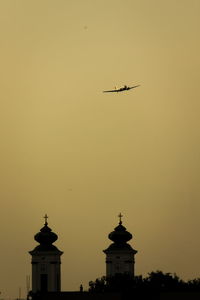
(124, 88)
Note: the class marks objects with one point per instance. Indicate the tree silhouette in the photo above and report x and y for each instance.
(156, 281)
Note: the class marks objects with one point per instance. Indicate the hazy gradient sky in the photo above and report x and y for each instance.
(82, 156)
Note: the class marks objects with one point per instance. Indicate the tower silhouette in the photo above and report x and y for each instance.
(120, 255)
(46, 262)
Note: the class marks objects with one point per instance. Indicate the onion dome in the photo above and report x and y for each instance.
(120, 236)
(46, 238)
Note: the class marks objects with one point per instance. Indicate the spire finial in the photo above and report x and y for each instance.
(120, 218)
(45, 217)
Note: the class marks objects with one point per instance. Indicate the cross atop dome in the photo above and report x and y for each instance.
(46, 217)
(120, 218)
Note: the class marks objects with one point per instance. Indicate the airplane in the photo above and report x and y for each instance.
(124, 88)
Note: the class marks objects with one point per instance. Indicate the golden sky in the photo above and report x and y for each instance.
(83, 156)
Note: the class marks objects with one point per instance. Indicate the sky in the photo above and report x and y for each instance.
(83, 156)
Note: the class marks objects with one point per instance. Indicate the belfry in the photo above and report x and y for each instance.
(46, 262)
(120, 255)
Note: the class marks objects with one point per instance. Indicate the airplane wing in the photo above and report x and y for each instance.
(111, 91)
(132, 87)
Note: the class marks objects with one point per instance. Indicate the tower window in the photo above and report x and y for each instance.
(44, 282)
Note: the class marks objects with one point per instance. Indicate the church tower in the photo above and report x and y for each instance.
(120, 255)
(46, 262)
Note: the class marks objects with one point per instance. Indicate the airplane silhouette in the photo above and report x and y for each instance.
(124, 88)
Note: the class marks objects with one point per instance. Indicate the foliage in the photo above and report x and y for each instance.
(155, 281)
